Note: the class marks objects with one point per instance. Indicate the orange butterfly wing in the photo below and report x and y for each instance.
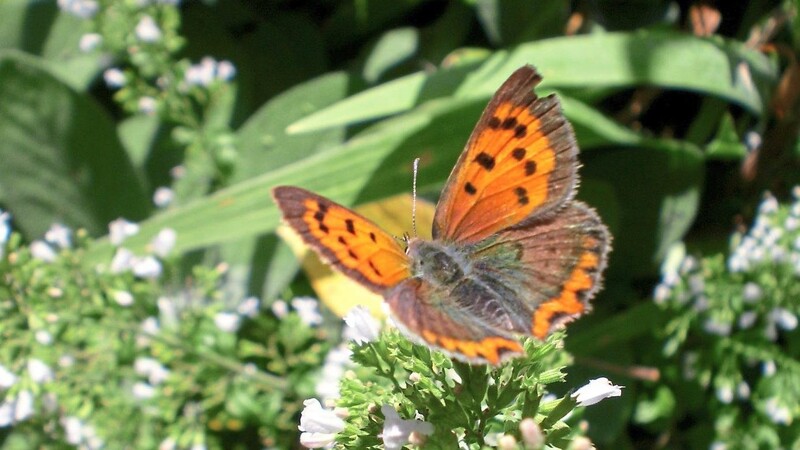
(348, 241)
(520, 162)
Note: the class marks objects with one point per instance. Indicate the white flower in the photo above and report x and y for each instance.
(163, 196)
(201, 74)
(361, 326)
(121, 229)
(396, 431)
(43, 252)
(582, 443)
(743, 390)
(84, 9)
(747, 319)
(451, 375)
(89, 42)
(716, 326)
(43, 337)
(114, 78)
(531, 433)
(318, 426)
(279, 308)
(123, 260)
(752, 292)
(249, 307)
(661, 293)
(227, 321)
(143, 391)
(147, 105)
(150, 326)
(226, 70)
(39, 371)
(777, 412)
(147, 267)
(725, 393)
(73, 430)
(5, 228)
(24, 406)
(768, 368)
(147, 30)
(784, 318)
(7, 379)
(168, 444)
(123, 298)
(163, 242)
(336, 361)
(307, 309)
(151, 368)
(595, 391)
(59, 235)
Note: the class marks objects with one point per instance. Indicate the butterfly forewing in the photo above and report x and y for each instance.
(519, 163)
(347, 240)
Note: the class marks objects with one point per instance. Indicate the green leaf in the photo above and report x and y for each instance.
(726, 144)
(730, 71)
(62, 160)
(394, 47)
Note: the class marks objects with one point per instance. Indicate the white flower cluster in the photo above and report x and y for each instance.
(208, 71)
(147, 266)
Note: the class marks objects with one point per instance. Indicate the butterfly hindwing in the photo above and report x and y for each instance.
(551, 267)
(431, 315)
(520, 162)
(348, 241)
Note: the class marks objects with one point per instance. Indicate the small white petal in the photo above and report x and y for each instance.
(6, 413)
(147, 30)
(317, 440)
(7, 379)
(23, 406)
(84, 9)
(308, 310)
(43, 252)
(114, 78)
(59, 235)
(396, 431)
(752, 292)
(361, 326)
(89, 42)
(163, 242)
(227, 321)
(143, 391)
(768, 368)
(39, 371)
(595, 391)
(163, 197)
(147, 105)
(73, 430)
(249, 307)
(122, 261)
(147, 267)
(226, 70)
(43, 337)
(315, 419)
(279, 308)
(121, 229)
(123, 298)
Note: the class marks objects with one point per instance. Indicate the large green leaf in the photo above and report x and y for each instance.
(729, 71)
(61, 158)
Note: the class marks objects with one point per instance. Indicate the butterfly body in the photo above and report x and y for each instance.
(512, 251)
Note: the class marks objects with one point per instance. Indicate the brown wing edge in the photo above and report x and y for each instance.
(575, 297)
(290, 201)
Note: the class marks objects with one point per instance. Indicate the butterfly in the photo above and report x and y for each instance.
(513, 253)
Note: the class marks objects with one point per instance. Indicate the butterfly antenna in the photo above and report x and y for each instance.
(414, 198)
